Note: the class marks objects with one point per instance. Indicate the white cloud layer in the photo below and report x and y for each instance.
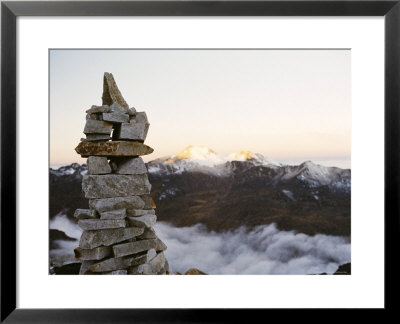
(62, 223)
(263, 250)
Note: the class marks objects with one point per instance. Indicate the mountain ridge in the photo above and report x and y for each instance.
(205, 160)
(198, 186)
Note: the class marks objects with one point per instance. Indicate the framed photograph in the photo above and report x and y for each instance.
(189, 160)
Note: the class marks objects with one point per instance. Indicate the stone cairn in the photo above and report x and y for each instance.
(118, 235)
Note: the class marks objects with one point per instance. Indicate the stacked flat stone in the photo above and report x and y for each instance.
(118, 236)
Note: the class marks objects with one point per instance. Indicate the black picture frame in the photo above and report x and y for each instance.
(11, 10)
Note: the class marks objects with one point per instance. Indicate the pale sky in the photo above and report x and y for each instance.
(289, 105)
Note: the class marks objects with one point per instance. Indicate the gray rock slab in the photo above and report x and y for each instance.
(98, 165)
(85, 266)
(139, 212)
(148, 233)
(85, 214)
(112, 185)
(97, 127)
(148, 202)
(158, 265)
(145, 269)
(119, 272)
(158, 262)
(152, 253)
(116, 117)
(132, 111)
(108, 204)
(113, 165)
(136, 259)
(94, 116)
(59, 260)
(133, 270)
(114, 214)
(139, 117)
(135, 131)
(98, 253)
(116, 108)
(166, 266)
(130, 166)
(121, 250)
(107, 237)
(118, 263)
(112, 148)
(96, 138)
(160, 245)
(148, 220)
(146, 130)
(111, 93)
(98, 109)
(95, 224)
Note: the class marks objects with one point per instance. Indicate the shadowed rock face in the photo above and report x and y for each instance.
(93, 254)
(111, 92)
(68, 269)
(344, 269)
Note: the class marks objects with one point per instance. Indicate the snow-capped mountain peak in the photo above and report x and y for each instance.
(193, 158)
(68, 170)
(205, 160)
(315, 172)
(242, 156)
(253, 157)
(201, 155)
(316, 175)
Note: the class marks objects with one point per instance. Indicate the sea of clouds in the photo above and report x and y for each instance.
(65, 248)
(263, 250)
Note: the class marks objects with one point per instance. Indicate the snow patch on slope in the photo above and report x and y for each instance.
(289, 194)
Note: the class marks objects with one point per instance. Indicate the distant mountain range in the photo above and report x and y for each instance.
(197, 185)
(204, 160)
